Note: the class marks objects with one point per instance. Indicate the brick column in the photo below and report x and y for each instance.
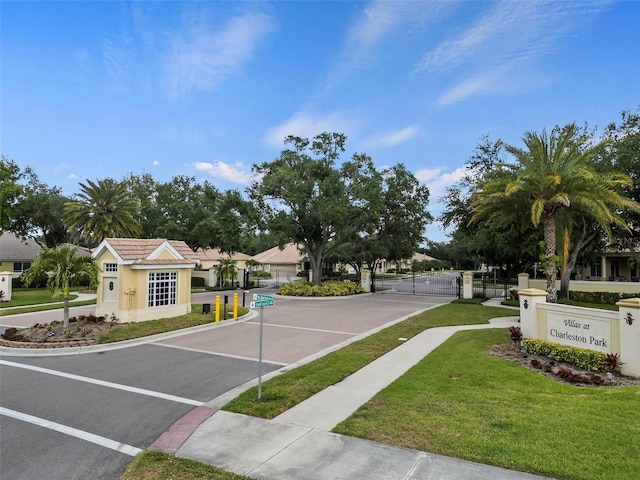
(529, 299)
(467, 285)
(365, 279)
(523, 281)
(629, 311)
(5, 286)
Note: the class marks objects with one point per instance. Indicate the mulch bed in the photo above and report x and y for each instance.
(82, 331)
(511, 353)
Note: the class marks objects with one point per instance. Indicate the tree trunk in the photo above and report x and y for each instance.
(582, 242)
(66, 308)
(316, 268)
(551, 267)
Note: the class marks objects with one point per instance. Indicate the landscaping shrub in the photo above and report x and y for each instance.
(581, 357)
(604, 298)
(197, 282)
(611, 362)
(515, 334)
(571, 377)
(331, 288)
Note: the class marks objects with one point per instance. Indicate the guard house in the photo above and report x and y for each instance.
(144, 279)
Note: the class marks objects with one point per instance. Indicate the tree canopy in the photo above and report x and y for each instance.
(102, 209)
(554, 177)
(308, 199)
(63, 266)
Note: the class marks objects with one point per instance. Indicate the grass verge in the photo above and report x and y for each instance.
(43, 308)
(284, 391)
(461, 402)
(153, 327)
(154, 465)
(32, 296)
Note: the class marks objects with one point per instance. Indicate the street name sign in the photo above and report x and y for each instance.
(262, 298)
(260, 304)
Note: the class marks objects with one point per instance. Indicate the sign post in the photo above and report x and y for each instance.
(261, 301)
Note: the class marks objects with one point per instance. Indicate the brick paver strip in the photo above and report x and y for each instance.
(171, 440)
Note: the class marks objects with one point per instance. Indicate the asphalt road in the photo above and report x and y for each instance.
(86, 416)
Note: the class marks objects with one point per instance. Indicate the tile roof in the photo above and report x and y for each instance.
(216, 254)
(290, 254)
(419, 257)
(138, 249)
(13, 248)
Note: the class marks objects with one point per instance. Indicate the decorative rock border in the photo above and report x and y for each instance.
(49, 344)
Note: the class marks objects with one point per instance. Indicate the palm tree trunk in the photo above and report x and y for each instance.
(66, 307)
(551, 267)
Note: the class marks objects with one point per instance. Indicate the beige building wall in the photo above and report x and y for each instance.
(125, 293)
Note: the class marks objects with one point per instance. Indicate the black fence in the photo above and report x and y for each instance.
(493, 284)
(443, 284)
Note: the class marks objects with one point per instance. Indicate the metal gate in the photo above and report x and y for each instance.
(442, 284)
(492, 285)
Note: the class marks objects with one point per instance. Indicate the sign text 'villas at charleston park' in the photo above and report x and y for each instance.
(593, 334)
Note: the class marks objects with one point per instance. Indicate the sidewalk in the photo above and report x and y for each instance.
(298, 444)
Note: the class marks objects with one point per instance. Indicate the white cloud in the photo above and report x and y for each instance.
(306, 125)
(393, 138)
(502, 51)
(202, 57)
(156, 163)
(72, 176)
(373, 33)
(427, 174)
(438, 181)
(237, 173)
(119, 61)
(58, 168)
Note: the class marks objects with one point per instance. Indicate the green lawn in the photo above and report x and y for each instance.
(461, 402)
(154, 465)
(284, 391)
(153, 327)
(32, 296)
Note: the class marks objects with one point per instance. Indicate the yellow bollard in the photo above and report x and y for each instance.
(235, 306)
(217, 308)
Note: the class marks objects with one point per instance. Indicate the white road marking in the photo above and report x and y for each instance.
(208, 352)
(94, 381)
(293, 327)
(74, 432)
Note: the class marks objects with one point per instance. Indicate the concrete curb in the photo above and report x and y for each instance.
(53, 352)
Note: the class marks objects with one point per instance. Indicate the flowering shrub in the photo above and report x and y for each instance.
(332, 288)
(611, 362)
(515, 334)
(581, 357)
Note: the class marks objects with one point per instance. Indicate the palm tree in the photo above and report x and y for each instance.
(555, 174)
(227, 269)
(252, 266)
(63, 267)
(103, 209)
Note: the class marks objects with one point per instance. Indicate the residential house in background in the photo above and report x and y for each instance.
(210, 259)
(144, 279)
(16, 254)
(283, 264)
(611, 265)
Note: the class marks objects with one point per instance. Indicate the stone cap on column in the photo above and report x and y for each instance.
(629, 303)
(533, 292)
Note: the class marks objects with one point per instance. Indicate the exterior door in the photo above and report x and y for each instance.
(110, 289)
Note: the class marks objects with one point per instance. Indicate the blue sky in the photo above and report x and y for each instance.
(99, 89)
